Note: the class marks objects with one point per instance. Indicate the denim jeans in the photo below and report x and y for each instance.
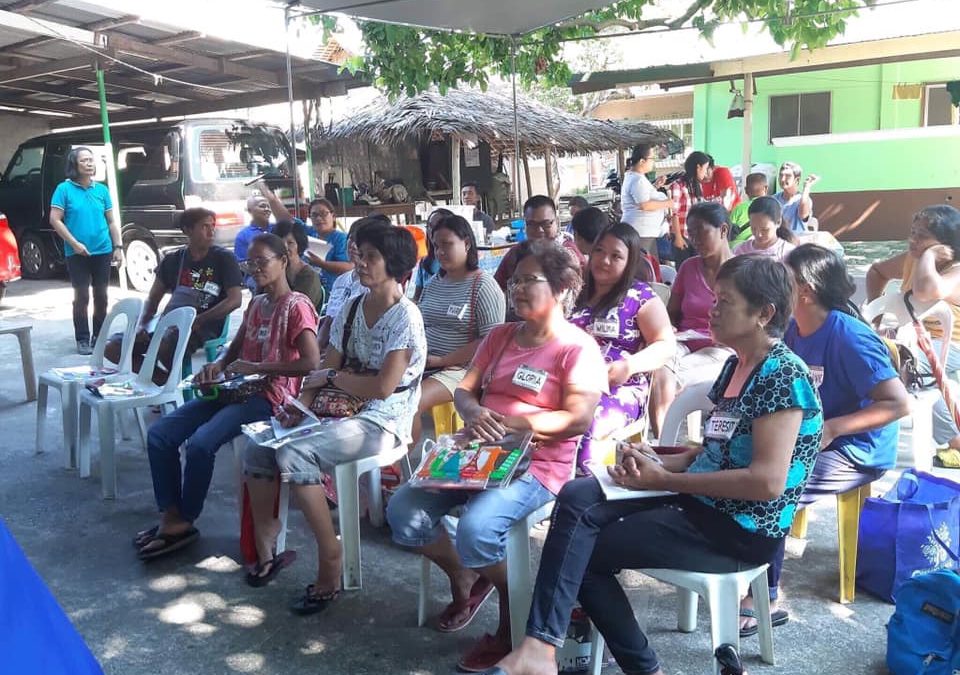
(592, 539)
(86, 271)
(201, 427)
(414, 515)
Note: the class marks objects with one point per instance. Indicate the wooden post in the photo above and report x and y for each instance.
(747, 126)
(526, 174)
(548, 170)
(455, 169)
(621, 163)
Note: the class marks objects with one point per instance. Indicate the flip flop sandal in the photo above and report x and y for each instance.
(479, 592)
(170, 543)
(947, 458)
(729, 660)
(310, 603)
(145, 537)
(777, 618)
(257, 579)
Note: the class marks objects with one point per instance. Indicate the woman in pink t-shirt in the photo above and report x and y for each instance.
(278, 338)
(541, 374)
(770, 236)
(698, 358)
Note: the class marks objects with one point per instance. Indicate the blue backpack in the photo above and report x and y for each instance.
(923, 636)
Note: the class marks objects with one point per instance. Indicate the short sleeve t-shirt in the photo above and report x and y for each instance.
(740, 219)
(345, 287)
(244, 237)
(847, 360)
(400, 328)
(272, 338)
(307, 281)
(336, 253)
(780, 382)
(696, 301)
(571, 359)
(779, 250)
(791, 211)
(200, 284)
(637, 190)
(84, 214)
(456, 313)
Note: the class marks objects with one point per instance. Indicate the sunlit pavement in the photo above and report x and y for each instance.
(193, 613)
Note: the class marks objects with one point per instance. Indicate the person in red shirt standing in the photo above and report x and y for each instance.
(721, 187)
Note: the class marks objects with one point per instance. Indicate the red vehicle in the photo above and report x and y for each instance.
(9, 257)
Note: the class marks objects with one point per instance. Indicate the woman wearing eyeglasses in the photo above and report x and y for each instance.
(277, 338)
(337, 260)
(541, 375)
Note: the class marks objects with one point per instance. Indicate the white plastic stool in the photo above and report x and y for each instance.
(723, 593)
(519, 575)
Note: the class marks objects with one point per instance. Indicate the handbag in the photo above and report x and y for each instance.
(238, 389)
(913, 529)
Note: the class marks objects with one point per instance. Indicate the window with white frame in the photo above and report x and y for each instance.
(806, 114)
(938, 109)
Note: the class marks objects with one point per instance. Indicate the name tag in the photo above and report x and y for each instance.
(211, 288)
(816, 373)
(376, 347)
(530, 378)
(456, 311)
(263, 333)
(721, 426)
(609, 328)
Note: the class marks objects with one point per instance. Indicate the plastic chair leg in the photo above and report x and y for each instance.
(142, 426)
(761, 606)
(424, 598)
(921, 435)
(849, 505)
(42, 393)
(282, 512)
(375, 498)
(348, 512)
(689, 601)
(83, 443)
(69, 394)
(799, 527)
(597, 644)
(108, 443)
(723, 597)
(519, 581)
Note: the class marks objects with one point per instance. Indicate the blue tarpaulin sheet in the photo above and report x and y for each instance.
(35, 634)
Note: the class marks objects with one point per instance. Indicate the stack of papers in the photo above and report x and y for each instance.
(614, 492)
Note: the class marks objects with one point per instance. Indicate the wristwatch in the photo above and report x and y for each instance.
(331, 373)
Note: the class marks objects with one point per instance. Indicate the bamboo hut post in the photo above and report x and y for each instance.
(548, 171)
(455, 169)
(526, 173)
(621, 163)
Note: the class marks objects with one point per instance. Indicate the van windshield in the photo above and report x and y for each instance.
(240, 153)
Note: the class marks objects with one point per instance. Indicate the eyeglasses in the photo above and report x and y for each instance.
(257, 263)
(542, 225)
(523, 282)
(320, 214)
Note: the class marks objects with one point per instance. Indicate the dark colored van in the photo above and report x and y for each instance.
(162, 168)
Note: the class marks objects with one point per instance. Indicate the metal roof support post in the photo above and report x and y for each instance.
(294, 168)
(111, 165)
(516, 125)
(747, 126)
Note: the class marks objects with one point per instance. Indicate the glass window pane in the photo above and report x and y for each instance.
(784, 115)
(938, 107)
(27, 163)
(815, 113)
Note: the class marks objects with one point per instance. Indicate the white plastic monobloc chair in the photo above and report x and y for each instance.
(689, 405)
(723, 593)
(145, 393)
(662, 291)
(69, 381)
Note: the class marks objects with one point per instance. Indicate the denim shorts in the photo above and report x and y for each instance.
(414, 515)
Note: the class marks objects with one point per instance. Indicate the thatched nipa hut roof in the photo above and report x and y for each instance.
(474, 116)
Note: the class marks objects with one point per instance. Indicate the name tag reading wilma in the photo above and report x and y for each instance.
(816, 374)
(530, 378)
(609, 328)
(721, 427)
(456, 311)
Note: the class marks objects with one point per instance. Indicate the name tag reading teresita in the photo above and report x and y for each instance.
(529, 378)
(816, 374)
(721, 426)
(609, 328)
(456, 311)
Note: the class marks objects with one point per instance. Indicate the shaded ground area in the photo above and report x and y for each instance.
(194, 613)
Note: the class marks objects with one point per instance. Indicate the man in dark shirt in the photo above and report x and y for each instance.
(202, 276)
(470, 196)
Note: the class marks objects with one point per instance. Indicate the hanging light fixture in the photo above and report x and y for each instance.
(736, 105)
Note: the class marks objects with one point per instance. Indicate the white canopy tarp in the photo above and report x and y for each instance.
(494, 17)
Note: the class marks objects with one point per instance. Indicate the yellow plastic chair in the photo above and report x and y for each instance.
(445, 419)
(849, 506)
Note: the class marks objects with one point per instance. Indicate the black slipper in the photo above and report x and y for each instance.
(310, 603)
(143, 538)
(728, 659)
(170, 543)
(258, 579)
(777, 618)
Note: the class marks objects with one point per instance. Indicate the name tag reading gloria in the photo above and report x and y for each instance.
(816, 373)
(530, 378)
(721, 426)
(456, 311)
(609, 328)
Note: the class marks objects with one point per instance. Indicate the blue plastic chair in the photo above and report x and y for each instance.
(210, 349)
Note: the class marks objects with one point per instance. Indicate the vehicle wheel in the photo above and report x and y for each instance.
(141, 261)
(36, 260)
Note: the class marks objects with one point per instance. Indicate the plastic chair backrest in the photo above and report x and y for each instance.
(692, 399)
(181, 319)
(662, 291)
(131, 308)
(668, 274)
(891, 302)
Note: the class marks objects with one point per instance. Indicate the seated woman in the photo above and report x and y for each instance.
(337, 259)
(460, 306)
(631, 325)
(861, 393)
(300, 276)
(429, 267)
(770, 236)
(737, 494)
(698, 358)
(382, 332)
(541, 374)
(931, 269)
(277, 338)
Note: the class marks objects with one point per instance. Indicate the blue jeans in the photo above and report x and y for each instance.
(414, 515)
(201, 427)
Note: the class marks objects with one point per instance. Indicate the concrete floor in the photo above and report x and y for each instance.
(193, 613)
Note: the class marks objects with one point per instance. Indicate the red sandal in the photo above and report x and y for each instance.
(479, 592)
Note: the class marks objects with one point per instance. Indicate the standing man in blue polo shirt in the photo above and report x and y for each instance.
(81, 212)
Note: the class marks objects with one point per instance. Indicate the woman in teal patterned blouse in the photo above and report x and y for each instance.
(736, 495)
